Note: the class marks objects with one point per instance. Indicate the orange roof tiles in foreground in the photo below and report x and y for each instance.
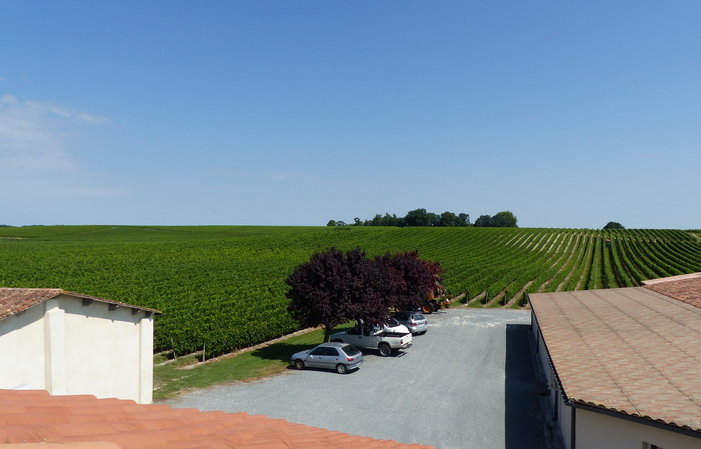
(628, 350)
(34, 416)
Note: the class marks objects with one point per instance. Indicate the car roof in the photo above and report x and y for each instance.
(334, 344)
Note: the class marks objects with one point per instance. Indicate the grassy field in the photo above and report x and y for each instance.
(222, 287)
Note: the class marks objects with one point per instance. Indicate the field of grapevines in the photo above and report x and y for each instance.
(222, 287)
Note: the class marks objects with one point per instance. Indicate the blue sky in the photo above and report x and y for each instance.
(568, 114)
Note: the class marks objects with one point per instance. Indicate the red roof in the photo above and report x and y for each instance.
(685, 288)
(17, 300)
(34, 416)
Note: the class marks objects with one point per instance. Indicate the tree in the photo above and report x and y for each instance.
(465, 218)
(504, 219)
(331, 288)
(484, 221)
(448, 220)
(334, 287)
(613, 225)
(408, 278)
(331, 223)
(420, 217)
(357, 222)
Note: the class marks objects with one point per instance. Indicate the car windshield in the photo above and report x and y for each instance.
(392, 322)
(419, 317)
(351, 350)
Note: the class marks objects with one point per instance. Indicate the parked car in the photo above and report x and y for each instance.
(395, 326)
(339, 356)
(413, 320)
(385, 339)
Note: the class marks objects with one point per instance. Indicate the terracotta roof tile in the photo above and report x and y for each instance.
(685, 288)
(17, 300)
(631, 350)
(34, 416)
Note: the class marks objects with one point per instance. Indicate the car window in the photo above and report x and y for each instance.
(317, 351)
(392, 322)
(351, 350)
(354, 331)
(419, 317)
(331, 351)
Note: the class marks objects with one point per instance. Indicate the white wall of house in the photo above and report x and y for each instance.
(594, 430)
(66, 347)
(599, 431)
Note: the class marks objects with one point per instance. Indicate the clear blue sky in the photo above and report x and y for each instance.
(568, 114)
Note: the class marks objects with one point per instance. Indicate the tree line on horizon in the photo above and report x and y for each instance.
(422, 218)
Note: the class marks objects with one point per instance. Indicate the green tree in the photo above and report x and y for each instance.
(420, 217)
(448, 220)
(504, 219)
(484, 221)
(613, 225)
(331, 223)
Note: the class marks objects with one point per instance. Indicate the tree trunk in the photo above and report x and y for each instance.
(327, 333)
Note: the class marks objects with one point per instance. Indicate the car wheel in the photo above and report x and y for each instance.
(427, 308)
(385, 350)
(299, 364)
(341, 368)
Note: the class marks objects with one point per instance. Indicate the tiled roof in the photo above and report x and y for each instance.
(685, 288)
(628, 350)
(34, 416)
(16, 300)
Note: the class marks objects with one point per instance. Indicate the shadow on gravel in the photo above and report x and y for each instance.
(523, 416)
(282, 351)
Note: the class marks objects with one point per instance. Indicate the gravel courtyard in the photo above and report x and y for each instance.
(468, 383)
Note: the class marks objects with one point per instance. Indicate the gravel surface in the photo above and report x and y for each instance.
(469, 382)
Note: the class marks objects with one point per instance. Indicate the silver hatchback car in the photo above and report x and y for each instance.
(413, 320)
(339, 356)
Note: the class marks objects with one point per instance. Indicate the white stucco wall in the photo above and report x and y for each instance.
(68, 348)
(22, 363)
(598, 431)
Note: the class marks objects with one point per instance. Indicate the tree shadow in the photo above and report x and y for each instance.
(524, 411)
(281, 351)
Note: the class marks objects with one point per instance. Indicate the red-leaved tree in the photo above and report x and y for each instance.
(333, 287)
(411, 278)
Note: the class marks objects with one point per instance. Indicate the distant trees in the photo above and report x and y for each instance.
(417, 217)
(335, 287)
(503, 219)
(613, 225)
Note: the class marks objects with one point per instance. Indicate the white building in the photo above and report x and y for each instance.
(624, 364)
(69, 343)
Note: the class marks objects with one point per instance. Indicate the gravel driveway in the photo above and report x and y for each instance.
(469, 382)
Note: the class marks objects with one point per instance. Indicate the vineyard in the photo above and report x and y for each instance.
(223, 287)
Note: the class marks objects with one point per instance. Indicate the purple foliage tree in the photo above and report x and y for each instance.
(412, 278)
(333, 287)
